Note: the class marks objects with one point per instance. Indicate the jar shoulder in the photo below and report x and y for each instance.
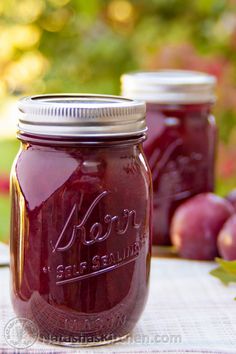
(40, 174)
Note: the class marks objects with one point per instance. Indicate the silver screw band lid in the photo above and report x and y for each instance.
(83, 115)
(169, 86)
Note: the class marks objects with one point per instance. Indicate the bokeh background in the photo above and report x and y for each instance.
(84, 46)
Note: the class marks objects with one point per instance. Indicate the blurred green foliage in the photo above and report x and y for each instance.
(8, 151)
(10, 148)
(5, 217)
(77, 45)
(84, 46)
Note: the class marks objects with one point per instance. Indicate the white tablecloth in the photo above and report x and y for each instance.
(189, 311)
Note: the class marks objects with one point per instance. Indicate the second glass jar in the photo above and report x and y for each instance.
(181, 138)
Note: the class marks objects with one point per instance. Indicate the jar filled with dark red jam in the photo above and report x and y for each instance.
(181, 141)
(80, 217)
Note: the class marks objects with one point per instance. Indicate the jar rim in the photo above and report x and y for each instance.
(86, 115)
(169, 86)
(61, 141)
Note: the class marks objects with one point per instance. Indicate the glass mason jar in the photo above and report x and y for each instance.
(181, 139)
(81, 217)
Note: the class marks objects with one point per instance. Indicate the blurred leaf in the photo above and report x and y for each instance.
(226, 272)
(223, 276)
(227, 266)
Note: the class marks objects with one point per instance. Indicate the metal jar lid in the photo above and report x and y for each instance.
(81, 115)
(169, 86)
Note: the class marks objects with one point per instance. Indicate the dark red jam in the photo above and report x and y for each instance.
(80, 236)
(181, 151)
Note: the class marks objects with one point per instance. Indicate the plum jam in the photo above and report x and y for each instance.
(81, 217)
(181, 139)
